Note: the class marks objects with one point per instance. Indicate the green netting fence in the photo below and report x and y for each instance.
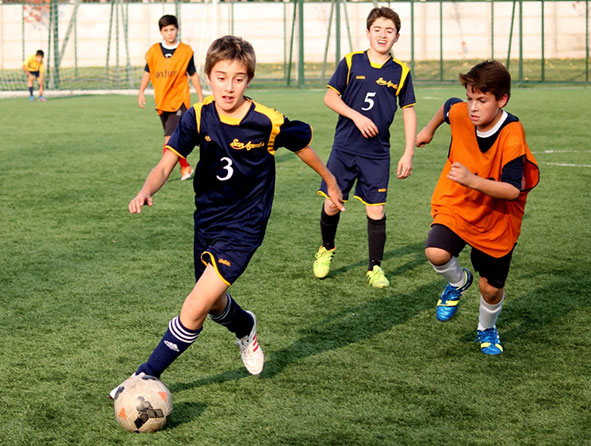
(100, 45)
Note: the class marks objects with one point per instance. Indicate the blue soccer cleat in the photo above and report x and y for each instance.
(490, 343)
(447, 305)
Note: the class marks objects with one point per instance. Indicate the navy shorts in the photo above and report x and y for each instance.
(372, 176)
(35, 73)
(228, 259)
(494, 269)
(170, 120)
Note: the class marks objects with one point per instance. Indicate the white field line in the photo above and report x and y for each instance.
(562, 151)
(566, 164)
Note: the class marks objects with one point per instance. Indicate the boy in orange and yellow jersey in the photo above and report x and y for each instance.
(480, 197)
(170, 65)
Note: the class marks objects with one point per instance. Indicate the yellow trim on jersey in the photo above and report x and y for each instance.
(230, 120)
(277, 120)
(214, 264)
(332, 88)
(403, 76)
(349, 59)
(322, 194)
(369, 204)
(379, 66)
(198, 107)
(174, 151)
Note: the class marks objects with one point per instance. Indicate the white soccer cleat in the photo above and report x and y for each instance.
(250, 350)
(113, 393)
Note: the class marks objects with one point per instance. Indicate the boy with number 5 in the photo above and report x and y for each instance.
(364, 90)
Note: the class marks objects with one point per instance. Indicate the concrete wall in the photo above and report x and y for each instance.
(467, 30)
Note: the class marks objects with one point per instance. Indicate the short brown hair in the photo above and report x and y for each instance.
(167, 20)
(488, 76)
(383, 12)
(231, 48)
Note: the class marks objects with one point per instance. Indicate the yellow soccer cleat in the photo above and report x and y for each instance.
(322, 262)
(376, 278)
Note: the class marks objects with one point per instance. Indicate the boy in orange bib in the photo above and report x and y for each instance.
(480, 197)
(170, 66)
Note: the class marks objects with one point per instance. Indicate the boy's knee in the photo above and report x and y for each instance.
(491, 295)
(437, 256)
(330, 208)
(375, 212)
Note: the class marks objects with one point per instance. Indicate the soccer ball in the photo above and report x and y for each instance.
(142, 404)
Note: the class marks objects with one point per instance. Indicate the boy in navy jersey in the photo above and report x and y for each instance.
(363, 91)
(234, 184)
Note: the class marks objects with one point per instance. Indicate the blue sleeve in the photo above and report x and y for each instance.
(185, 137)
(294, 135)
(338, 81)
(191, 70)
(447, 106)
(407, 93)
(513, 172)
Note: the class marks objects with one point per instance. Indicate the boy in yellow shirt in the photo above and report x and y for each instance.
(34, 69)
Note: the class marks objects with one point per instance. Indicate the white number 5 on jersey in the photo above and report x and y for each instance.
(369, 101)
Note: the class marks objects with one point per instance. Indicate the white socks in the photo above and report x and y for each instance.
(452, 271)
(488, 314)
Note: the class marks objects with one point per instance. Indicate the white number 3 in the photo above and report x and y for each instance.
(369, 100)
(227, 168)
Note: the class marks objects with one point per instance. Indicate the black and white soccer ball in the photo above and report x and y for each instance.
(142, 404)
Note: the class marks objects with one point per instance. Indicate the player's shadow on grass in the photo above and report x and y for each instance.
(348, 326)
(536, 311)
(416, 249)
(352, 325)
(185, 413)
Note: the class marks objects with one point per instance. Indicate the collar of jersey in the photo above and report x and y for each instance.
(375, 65)
(495, 129)
(230, 120)
(170, 47)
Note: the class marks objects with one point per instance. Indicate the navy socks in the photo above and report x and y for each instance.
(175, 341)
(234, 318)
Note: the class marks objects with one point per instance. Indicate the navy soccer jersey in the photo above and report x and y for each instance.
(372, 90)
(235, 177)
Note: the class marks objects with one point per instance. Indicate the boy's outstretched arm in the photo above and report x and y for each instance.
(156, 179)
(426, 134)
(410, 129)
(365, 125)
(308, 156)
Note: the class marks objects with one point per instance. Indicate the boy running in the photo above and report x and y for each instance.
(363, 91)
(170, 65)
(234, 184)
(480, 197)
(34, 69)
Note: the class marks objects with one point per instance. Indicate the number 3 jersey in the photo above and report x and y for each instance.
(372, 90)
(234, 179)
